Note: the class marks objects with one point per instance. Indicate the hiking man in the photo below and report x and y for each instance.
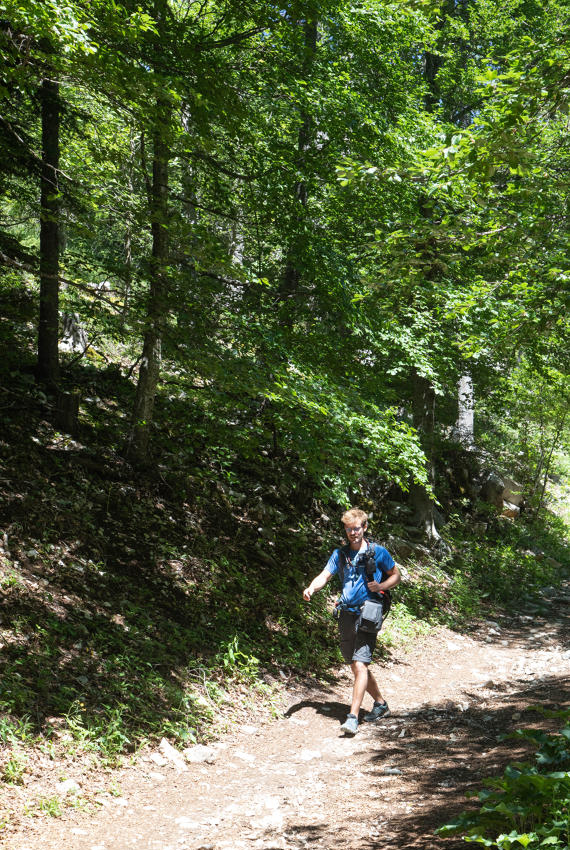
(357, 645)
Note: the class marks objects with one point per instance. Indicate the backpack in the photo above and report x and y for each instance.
(370, 567)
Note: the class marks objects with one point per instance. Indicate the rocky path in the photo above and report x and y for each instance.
(294, 783)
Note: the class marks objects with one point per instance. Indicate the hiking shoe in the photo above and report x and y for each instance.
(350, 725)
(379, 709)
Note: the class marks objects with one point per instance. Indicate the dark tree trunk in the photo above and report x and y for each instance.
(291, 274)
(128, 236)
(152, 346)
(424, 422)
(67, 412)
(423, 397)
(48, 358)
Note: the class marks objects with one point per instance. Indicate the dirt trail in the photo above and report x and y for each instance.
(295, 783)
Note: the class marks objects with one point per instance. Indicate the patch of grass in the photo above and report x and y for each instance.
(237, 662)
(115, 789)
(9, 579)
(104, 733)
(79, 803)
(50, 806)
(13, 729)
(14, 768)
(401, 627)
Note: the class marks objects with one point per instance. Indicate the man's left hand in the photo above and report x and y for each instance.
(374, 587)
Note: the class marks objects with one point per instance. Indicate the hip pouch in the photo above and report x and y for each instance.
(370, 619)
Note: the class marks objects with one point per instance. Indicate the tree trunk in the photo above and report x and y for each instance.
(128, 235)
(466, 412)
(48, 357)
(67, 412)
(424, 422)
(152, 346)
(553, 446)
(128, 277)
(423, 416)
(291, 274)
(423, 395)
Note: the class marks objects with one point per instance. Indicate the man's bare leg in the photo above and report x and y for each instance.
(373, 689)
(363, 681)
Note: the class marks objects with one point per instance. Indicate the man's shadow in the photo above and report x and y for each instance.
(337, 710)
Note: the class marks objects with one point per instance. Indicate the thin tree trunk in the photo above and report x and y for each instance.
(543, 450)
(149, 372)
(128, 246)
(549, 460)
(128, 236)
(538, 473)
(48, 356)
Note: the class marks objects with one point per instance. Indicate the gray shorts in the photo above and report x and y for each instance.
(354, 645)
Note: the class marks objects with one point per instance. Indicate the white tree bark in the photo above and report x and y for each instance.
(466, 412)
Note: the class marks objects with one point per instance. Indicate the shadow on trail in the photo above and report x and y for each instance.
(327, 709)
(445, 753)
(451, 752)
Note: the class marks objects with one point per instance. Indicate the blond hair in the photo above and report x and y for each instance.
(354, 515)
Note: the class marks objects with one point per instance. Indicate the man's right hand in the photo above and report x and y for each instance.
(317, 584)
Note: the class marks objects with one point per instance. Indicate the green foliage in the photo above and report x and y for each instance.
(346, 219)
(527, 435)
(65, 23)
(339, 437)
(238, 663)
(402, 626)
(104, 733)
(14, 729)
(14, 768)
(515, 575)
(50, 806)
(528, 806)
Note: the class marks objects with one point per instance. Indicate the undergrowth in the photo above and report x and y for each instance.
(529, 806)
(101, 656)
(169, 603)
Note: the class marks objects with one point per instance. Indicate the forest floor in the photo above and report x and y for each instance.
(295, 782)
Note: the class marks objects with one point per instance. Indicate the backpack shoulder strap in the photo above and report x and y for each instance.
(386, 594)
(342, 557)
(370, 559)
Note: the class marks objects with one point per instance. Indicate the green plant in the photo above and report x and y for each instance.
(238, 662)
(401, 626)
(49, 748)
(115, 789)
(103, 733)
(78, 803)
(529, 806)
(14, 729)
(50, 806)
(111, 734)
(14, 768)
(10, 579)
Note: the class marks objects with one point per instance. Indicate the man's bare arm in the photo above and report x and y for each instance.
(317, 584)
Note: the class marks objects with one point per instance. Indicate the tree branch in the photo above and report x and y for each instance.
(233, 39)
(202, 207)
(247, 178)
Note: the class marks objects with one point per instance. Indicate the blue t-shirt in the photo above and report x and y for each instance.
(355, 586)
